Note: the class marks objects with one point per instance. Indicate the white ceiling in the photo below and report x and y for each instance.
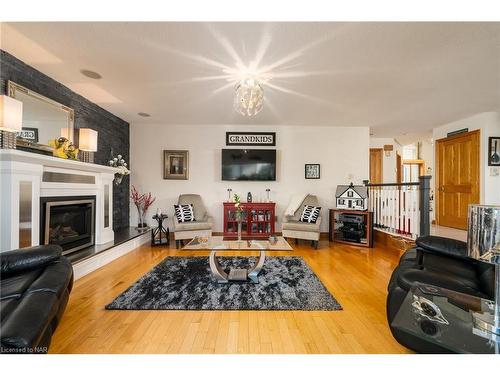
(397, 78)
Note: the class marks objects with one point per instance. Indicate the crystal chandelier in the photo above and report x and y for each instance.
(249, 98)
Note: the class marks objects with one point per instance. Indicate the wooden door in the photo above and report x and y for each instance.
(398, 168)
(457, 178)
(376, 165)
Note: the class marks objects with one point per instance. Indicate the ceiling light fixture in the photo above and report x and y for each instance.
(90, 74)
(249, 97)
(144, 114)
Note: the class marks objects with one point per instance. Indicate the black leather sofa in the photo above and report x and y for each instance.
(35, 287)
(440, 262)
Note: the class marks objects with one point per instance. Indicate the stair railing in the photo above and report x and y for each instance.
(401, 208)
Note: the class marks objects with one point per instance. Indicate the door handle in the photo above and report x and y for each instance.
(441, 188)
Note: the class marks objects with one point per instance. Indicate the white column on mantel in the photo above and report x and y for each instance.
(17, 166)
(11, 177)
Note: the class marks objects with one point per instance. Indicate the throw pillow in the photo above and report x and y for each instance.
(184, 213)
(310, 214)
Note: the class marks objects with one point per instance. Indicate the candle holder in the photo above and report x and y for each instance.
(268, 192)
(229, 194)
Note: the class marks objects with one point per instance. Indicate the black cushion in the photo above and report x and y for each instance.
(36, 283)
(29, 320)
(55, 279)
(446, 246)
(15, 285)
(463, 268)
(408, 278)
(441, 262)
(29, 258)
(486, 277)
(409, 256)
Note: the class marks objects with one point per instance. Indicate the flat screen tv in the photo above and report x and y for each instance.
(248, 165)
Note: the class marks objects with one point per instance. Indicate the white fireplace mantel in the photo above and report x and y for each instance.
(26, 177)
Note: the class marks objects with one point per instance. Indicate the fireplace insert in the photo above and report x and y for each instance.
(68, 222)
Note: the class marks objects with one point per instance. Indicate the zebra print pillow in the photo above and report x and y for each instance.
(184, 213)
(310, 214)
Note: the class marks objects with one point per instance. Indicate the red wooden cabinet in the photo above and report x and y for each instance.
(258, 220)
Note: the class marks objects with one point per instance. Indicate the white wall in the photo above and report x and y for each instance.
(343, 153)
(489, 125)
(427, 155)
(388, 162)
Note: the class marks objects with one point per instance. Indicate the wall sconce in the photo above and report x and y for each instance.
(87, 144)
(11, 121)
(388, 149)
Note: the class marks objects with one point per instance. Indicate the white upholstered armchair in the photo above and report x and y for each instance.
(202, 226)
(293, 228)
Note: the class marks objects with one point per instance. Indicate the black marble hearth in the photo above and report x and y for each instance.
(121, 236)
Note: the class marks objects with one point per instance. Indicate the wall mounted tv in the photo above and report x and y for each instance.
(248, 165)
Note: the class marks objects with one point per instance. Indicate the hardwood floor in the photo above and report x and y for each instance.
(356, 277)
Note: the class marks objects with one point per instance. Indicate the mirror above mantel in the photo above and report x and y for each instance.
(43, 119)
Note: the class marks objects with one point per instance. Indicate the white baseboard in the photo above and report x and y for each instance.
(87, 266)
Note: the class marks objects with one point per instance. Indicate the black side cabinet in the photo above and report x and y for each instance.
(160, 235)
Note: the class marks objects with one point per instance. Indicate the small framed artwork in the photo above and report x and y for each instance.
(175, 165)
(312, 171)
(29, 135)
(494, 151)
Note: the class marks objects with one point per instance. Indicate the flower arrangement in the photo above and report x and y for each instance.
(142, 202)
(237, 206)
(63, 148)
(121, 164)
(238, 213)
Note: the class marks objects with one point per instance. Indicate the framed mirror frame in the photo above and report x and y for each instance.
(13, 88)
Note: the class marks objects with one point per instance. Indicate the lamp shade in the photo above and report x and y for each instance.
(88, 140)
(65, 133)
(11, 114)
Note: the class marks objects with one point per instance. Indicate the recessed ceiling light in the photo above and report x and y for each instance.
(144, 114)
(90, 74)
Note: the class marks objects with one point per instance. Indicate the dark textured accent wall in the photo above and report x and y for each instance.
(113, 131)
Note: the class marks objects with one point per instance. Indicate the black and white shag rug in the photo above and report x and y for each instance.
(186, 283)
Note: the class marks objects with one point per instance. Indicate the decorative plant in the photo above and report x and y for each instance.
(142, 202)
(239, 213)
(119, 163)
(237, 206)
(63, 148)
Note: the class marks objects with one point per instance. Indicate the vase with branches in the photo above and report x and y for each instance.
(142, 202)
(238, 213)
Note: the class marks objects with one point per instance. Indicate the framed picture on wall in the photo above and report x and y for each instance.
(312, 171)
(29, 135)
(175, 164)
(494, 151)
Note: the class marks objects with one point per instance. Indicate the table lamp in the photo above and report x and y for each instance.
(11, 121)
(87, 144)
(483, 244)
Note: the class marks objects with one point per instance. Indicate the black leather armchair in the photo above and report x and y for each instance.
(35, 287)
(441, 262)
